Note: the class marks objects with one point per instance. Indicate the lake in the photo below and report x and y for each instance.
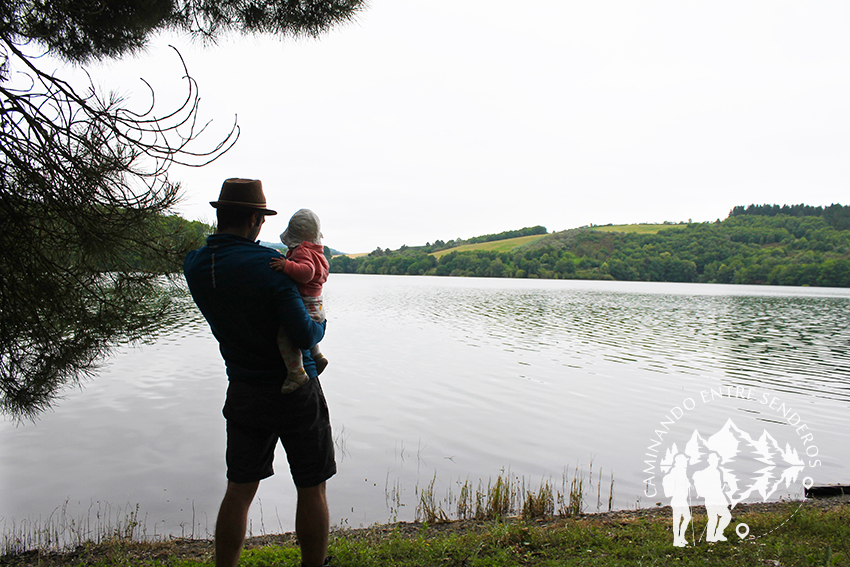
(453, 380)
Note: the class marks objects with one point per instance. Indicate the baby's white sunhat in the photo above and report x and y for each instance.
(304, 226)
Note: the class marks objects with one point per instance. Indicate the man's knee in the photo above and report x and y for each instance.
(241, 494)
(311, 492)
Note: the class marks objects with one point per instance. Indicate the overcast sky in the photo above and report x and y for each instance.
(438, 119)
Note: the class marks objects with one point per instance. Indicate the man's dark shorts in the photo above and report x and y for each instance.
(258, 415)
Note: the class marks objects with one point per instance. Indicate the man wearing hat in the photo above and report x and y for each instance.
(245, 302)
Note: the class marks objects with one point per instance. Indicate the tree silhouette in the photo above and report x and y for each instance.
(85, 188)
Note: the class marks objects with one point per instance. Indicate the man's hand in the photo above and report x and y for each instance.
(278, 263)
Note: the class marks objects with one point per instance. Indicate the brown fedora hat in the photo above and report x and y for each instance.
(243, 194)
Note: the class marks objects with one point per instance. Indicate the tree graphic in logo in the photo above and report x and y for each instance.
(723, 470)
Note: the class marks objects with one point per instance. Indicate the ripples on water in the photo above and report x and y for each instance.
(790, 343)
(537, 375)
(453, 379)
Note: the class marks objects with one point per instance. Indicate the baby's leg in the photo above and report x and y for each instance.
(295, 374)
(316, 311)
(319, 359)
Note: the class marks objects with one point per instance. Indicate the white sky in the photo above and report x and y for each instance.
(438, 119)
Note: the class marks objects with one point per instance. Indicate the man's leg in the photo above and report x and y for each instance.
(312, 522)
(233, 522)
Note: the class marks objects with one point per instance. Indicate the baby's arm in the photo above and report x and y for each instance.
(300, 271)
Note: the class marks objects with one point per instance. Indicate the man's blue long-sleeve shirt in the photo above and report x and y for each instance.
(245, 302)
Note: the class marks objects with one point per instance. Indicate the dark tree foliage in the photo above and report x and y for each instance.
(81, 30)
(835, 215)
(83, 239)
(86, 231)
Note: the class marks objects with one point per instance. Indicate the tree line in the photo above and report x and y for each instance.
(835, 215)
(745, 248)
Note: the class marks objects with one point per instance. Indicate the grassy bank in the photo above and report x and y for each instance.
(815, 534)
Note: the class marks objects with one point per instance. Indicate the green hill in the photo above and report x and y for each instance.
(798, 245)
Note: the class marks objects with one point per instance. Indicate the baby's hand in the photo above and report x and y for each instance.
(278, 263)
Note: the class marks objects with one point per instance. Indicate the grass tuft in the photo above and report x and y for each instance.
(508, 495)
(429, 510)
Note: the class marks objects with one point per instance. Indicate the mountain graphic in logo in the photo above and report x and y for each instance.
(747, 465)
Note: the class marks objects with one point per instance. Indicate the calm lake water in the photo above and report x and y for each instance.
(452, 380)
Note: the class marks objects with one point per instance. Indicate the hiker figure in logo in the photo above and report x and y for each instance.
(709, 485)
(677, 487)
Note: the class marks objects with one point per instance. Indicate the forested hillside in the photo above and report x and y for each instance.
(760, 244)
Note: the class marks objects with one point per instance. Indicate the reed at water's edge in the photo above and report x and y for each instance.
(509, 495)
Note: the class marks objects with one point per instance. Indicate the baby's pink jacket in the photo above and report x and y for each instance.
(307, 265)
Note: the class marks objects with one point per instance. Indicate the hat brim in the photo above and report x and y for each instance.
(243, 206)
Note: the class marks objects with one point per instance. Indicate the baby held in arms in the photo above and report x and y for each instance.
(305, 263)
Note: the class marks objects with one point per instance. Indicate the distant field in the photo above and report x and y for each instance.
(511, 243)
(635, 228)
(496, 245)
